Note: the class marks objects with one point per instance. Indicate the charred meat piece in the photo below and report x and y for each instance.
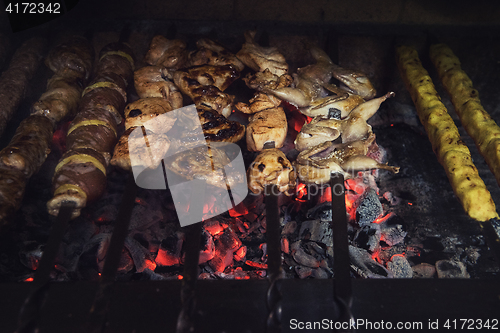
(213, 53)
(152, 81)
(216, 128)
(205, 86)
(261, 58)
(271, 167)
(265, 126)
(206, 163)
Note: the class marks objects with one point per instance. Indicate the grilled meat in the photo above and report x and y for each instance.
(80, 175)
(151, 115)
(16, 77)
(168, 54)
(152, 81)
(205, 85)
(319, 130)
(206, 163)
(271, 167)
(29, 147)
(265, 126)
(213, 53)
(261, 58)
(315, 164)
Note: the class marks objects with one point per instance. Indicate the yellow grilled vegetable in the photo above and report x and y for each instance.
(476, 121)
(451, 152)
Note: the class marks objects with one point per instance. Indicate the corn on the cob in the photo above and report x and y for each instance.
(451, 152)
(476, 121)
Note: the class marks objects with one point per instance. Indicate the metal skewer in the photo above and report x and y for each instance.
(342, 280)
(30, 312)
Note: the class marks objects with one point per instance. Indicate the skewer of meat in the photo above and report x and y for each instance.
(443, 134)
(30, 144)
(16, 77)
(476, 121)
(80, 175)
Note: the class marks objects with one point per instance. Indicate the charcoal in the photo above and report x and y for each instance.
(303, 272)
(451, 269)
(392, 233)
(365, 266)
(424, 270)
(289, 228)
(138, 253)
(323, 212)
(320, 273)
(317, 231)
(169, 253)
(368, 237)
(303, 258)
(225, 245)
(369, 208)
(400, 267)
(313, 247)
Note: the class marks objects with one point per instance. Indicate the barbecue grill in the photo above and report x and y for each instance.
(267, 293)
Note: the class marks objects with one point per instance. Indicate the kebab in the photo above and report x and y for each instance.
(476, 121)
(443, 134)
(72, 62)
(168, 54)
(80, 175)
(311, 91)
(16, 77)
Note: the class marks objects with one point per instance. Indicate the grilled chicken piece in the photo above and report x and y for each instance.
(207, 163)
(140, 112)
(152, 81)
(271, 167)
(169, 54)
(261, 58)
(138, 148)
(314, 165)
(151, 114)
(205, 85)
(262, 101)
(213, 53)
(265, 126)
(216, 128)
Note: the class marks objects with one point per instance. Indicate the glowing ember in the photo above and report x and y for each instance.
(301, 191)
(238, 210)
(383, 218)
(30, 279)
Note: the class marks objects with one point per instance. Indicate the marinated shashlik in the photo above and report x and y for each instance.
(31, 142)
(168, 54)
(80, 175)
(476, 121)
(16, 77)
(443, 134)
